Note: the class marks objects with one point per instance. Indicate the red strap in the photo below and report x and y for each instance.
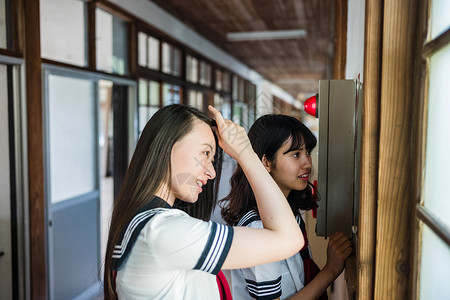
(224, 288)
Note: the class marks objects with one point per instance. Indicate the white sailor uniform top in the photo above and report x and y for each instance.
(269, 281)
(166, 254)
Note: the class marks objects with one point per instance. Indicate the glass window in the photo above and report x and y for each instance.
(240, 114)
(153, 53)
(142, 49)
(171, 94)
(205, 73)
(440, 21)
(3, 24)
(437, 163)
(223, 104)
(434, 271)
(111, 43)
(226, 81)
(434, 256)
(171, 59)
(143, 92)
(166, 53)
(235, 88)
(195, 99)
(191, 69)
(148, 101)
(148, 51)
(63, 43)
(72, 139)
(241, 95)
(219, 80)
(250, 94)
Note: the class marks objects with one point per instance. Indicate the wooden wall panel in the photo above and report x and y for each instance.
(395, 203)
(369, 150)
(340, 39)
(32, 54)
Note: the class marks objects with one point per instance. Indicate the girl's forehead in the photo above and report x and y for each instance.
(203, 132)
(293, 144)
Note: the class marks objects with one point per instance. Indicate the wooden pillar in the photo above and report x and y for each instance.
(340, 38)
(395, 201)
(369, 150)
(32, 54)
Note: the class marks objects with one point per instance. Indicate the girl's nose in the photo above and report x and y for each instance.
(307, 161)
(210, 172)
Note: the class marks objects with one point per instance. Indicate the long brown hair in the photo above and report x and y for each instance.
(149, 168)
(267, 135)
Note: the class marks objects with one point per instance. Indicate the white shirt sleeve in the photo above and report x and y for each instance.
(180, 242)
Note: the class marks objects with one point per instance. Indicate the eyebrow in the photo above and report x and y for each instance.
(296, 149)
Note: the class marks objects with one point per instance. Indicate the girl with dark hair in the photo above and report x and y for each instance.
(155, 249)
(284, 145)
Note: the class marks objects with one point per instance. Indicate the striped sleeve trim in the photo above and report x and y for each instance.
(216, 249)
(264, 290)
(248, 218)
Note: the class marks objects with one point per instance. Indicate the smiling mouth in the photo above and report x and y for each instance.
(304, 176)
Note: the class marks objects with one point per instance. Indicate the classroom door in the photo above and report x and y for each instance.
(72, 187)
(87, 144)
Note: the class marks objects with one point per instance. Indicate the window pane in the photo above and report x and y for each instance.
(154, 93)
(153, 55)
(171, 94)
(176, 66)
(226, 81)
(223, 104)
(218, 80)
(63, 43)
(72, 145)
(111, 43)
(142, 49)
(196, 99)
(191, 69)
(166, 49)
(171, 59)
(143, 92)
(434, 270)
(144, 113)
(235, 88)
(437, 165)
(205, 73)
(440, 20)
(241, 96)
(2, 24)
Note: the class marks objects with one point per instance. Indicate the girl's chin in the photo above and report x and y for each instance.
(189, 198)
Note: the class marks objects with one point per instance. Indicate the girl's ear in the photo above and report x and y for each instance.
(267, 164)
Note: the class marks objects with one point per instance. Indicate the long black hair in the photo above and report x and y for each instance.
(267, 135)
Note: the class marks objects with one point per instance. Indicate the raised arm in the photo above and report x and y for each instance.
(281, 236)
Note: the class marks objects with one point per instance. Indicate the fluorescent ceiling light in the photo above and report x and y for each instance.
(266, 35)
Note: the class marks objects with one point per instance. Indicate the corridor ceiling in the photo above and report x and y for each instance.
(295, 64)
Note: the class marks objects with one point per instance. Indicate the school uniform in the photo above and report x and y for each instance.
(270, 281)
(166, 254)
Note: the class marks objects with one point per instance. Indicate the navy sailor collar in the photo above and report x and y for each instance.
(128, 238)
